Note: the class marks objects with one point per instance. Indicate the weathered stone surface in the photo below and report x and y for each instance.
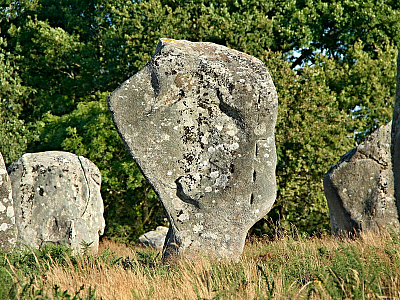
(57, 199)
(154, 238)
(360, 187)
(396, 138)
(199, 121)
(8, 229)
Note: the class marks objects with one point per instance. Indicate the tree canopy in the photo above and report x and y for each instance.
(333, 64)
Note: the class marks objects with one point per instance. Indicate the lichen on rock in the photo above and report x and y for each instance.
(57, 200)
(8, 228)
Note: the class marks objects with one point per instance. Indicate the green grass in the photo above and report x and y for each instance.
(289, 267)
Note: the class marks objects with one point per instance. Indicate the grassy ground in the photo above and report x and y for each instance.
(289, 267)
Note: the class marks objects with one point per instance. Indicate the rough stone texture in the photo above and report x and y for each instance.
(57, 199)
(360, 187)
(8, 229)
(396, 138)
(154, 238)
(199, 121)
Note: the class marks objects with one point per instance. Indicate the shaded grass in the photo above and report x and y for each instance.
(289, 267)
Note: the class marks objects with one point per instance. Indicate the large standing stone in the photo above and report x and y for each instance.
(396, 138)
(199, 121)
(8, 229)
(360, 189)
(57, 199)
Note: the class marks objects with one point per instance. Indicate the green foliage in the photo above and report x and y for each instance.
(86, 247)
(54, 45)
(365, 89)
(47, 50)
(29, 262)
(14, 133)
(307, 103)
(31, 291)
(333, 63)
(335, 26)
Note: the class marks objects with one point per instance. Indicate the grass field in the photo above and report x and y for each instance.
(287, 267)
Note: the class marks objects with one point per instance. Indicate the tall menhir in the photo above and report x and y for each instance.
(199, 121)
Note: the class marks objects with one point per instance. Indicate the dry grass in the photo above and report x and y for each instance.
(184, 280)
(287, 268)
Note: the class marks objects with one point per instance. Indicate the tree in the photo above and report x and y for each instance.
(333, 63)
(14, 133)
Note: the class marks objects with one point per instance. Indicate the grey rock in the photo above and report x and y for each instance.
(8, 229)
(57, 199)
(396, 137)
(154, 238)
(199, 121)
(360, 187)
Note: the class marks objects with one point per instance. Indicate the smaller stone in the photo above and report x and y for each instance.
(57, 200)
(154, 238)
(360, 187)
